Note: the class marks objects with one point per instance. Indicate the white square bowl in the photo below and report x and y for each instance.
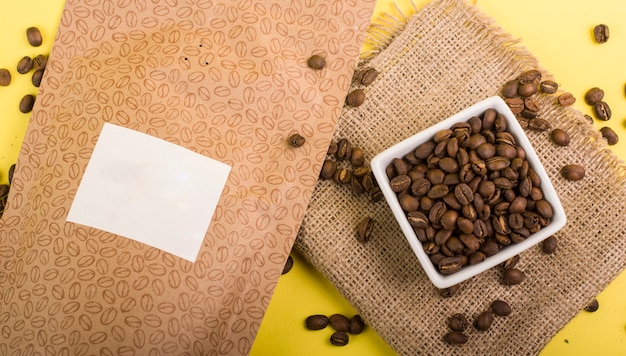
(399, 150)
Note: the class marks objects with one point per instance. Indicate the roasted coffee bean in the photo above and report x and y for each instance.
(573, 172)
(339, 322)
(26, 104)
(516, 104)
(483, 321)
(527, 89)
(438, 191)
(342, 176)
(593, 306)
(357, 325)
(417, 219)
(400, 166)
(511, 262)
(610, 135)
(296, 140)
(33, 35)
(458, 322)
(448, 219)
(530, 76)
(316, 61)
(539, 124)
(329, 168)
(450, 291)
(602, 111)
(316, 322)
(365, 229)
(601, 33)
(455, 338)
(450, 265)
(37, 76)
(367, 76)
(560, 137)
(375, 194)
(344, 150)
(510, 88)
(544, 208)
(25, 65)
(40, 62)
(332, 148)
(339, 338)
(5, 77)
(549, 245)
(512, 276)
(408, 202)
(357, 157)
(594, 96)
(476, 257)
(425, 149)
(400, 183)
(355, 98)
(11, 172)
(288, 265)
(566, 99)
(360, 171)
(500, 308)
(548, 86)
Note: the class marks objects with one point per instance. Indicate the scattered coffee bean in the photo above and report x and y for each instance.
(316, 322)
(4, 190)
(288, 265)
(357, 325)
(455, 338)
(500, 308)
(450, 291)
(339, 322)
(573, 172)
(329, 167)
(5, 77)
(367, 76)
(512, 276)
(365, 229)
(593, 306)
(355, 98)
(40, 61)
(601, 33)
(560, 137)
(11, 172)
(37, 76)
(602, 111)
(296, 140)
(339, 338)
(549, 245)
(33, 35)
(566, 99)
(539, 124)
(357, 157)
(594, 95)
(316, 62)
(483, 321)
(610, 135)
(549, 86)
(24, 65)
(27, 103)
(458, 322)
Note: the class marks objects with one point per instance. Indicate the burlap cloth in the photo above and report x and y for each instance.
(447, 57)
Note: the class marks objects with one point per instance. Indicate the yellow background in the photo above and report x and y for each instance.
(558, 32)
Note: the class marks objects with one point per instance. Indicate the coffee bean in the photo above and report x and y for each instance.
(549, 245)
(296, 140)
(593, 306)
(40, 61)
(450, 291)
(573, 172)
(367, 76)
(455, 338)
(516, 104)
(24, 65)
(316, 62)
(511, 262)
(11, 172)
(527, 89)
(344, 150)
(365, 229)
(332, 148)
(329, 168)
(27, 103)
(5, 77)
(450, 265)
(510, 88)
(316, 322)
(610, 135)
(560, 137)
(339, 338)
(530, 76)
(288, 265)
(342, 176)
(355, 98)
(548, 86)
(37, 76)
(512, 276)
(566, 99)
(400, 183)
(594, 95)
(500, 308)
(458, 322)
(602, 111)
(357, 325)
(539, 124)
(357, 157)
(483, 321)
(601, 33)
(33, 35)
(339, 322)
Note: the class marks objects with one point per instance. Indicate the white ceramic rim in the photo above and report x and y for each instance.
(383, 159)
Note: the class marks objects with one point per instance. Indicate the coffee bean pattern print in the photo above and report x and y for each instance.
(228, 80)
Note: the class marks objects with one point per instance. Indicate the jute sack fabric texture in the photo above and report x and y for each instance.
(442, 59)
